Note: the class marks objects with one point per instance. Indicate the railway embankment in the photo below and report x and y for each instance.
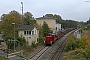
(77, 49)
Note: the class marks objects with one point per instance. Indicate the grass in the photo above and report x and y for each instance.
(74, 55)
(28, 50)
(3, 58)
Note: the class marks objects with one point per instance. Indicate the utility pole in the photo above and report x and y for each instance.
(87, 1)
(14, 36)
(22, 11)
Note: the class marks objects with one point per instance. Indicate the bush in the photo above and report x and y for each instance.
(80, 49)
(87, 54)
(22, 41)
(33, 45)
(74, 43)
(41, 39)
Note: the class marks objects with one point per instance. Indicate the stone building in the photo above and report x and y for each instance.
(50, 21)
(29, 32)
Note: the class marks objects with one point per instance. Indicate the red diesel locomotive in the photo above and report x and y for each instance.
(51, 38)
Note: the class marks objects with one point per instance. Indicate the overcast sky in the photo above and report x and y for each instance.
(78, 10)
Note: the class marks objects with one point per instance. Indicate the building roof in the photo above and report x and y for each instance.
(44, 17)
(26, 27)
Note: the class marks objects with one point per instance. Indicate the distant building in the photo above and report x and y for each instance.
(29, 32)
(58, 27)
(50, 21)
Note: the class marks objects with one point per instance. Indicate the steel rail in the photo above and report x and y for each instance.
(58, 49)
(39, 53)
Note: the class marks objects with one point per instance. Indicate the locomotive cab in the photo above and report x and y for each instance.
(50, 39)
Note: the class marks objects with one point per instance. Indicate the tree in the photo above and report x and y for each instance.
(49, 15)
(55, 16)
(41, 34)
(69, 23)
(6, 26)
(46, 29)
(58, 18)
(28, 19)
(88, 22)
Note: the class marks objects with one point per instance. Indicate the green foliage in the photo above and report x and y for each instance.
(41, 40)
(3, 58)
(81, 54)
(78, 48)
(14, 17)
(74, 55)
(41, 34)
(65, 23)
(0, 31)
(50, 15)
(87, 53)
(72, 43)
(87, 27)
(22, 41)
(28, 19)
(88, 22)
(55, 16)
(69, 23)
(7, 28)
(11, 43)
(46, 29)
(33, 45)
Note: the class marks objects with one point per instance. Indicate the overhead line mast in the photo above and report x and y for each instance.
(22, 10)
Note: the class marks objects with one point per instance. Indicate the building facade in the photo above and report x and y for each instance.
(58, 27)
(30, 33)
(50, 21)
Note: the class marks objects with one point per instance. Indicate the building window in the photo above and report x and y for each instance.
(32, 32)
(29, 32)
(24, 32)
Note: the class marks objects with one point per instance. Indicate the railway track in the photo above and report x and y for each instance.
(53, 52)
(39, 53)
(59, 51)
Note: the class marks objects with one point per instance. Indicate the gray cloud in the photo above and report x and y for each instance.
(78, 10)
